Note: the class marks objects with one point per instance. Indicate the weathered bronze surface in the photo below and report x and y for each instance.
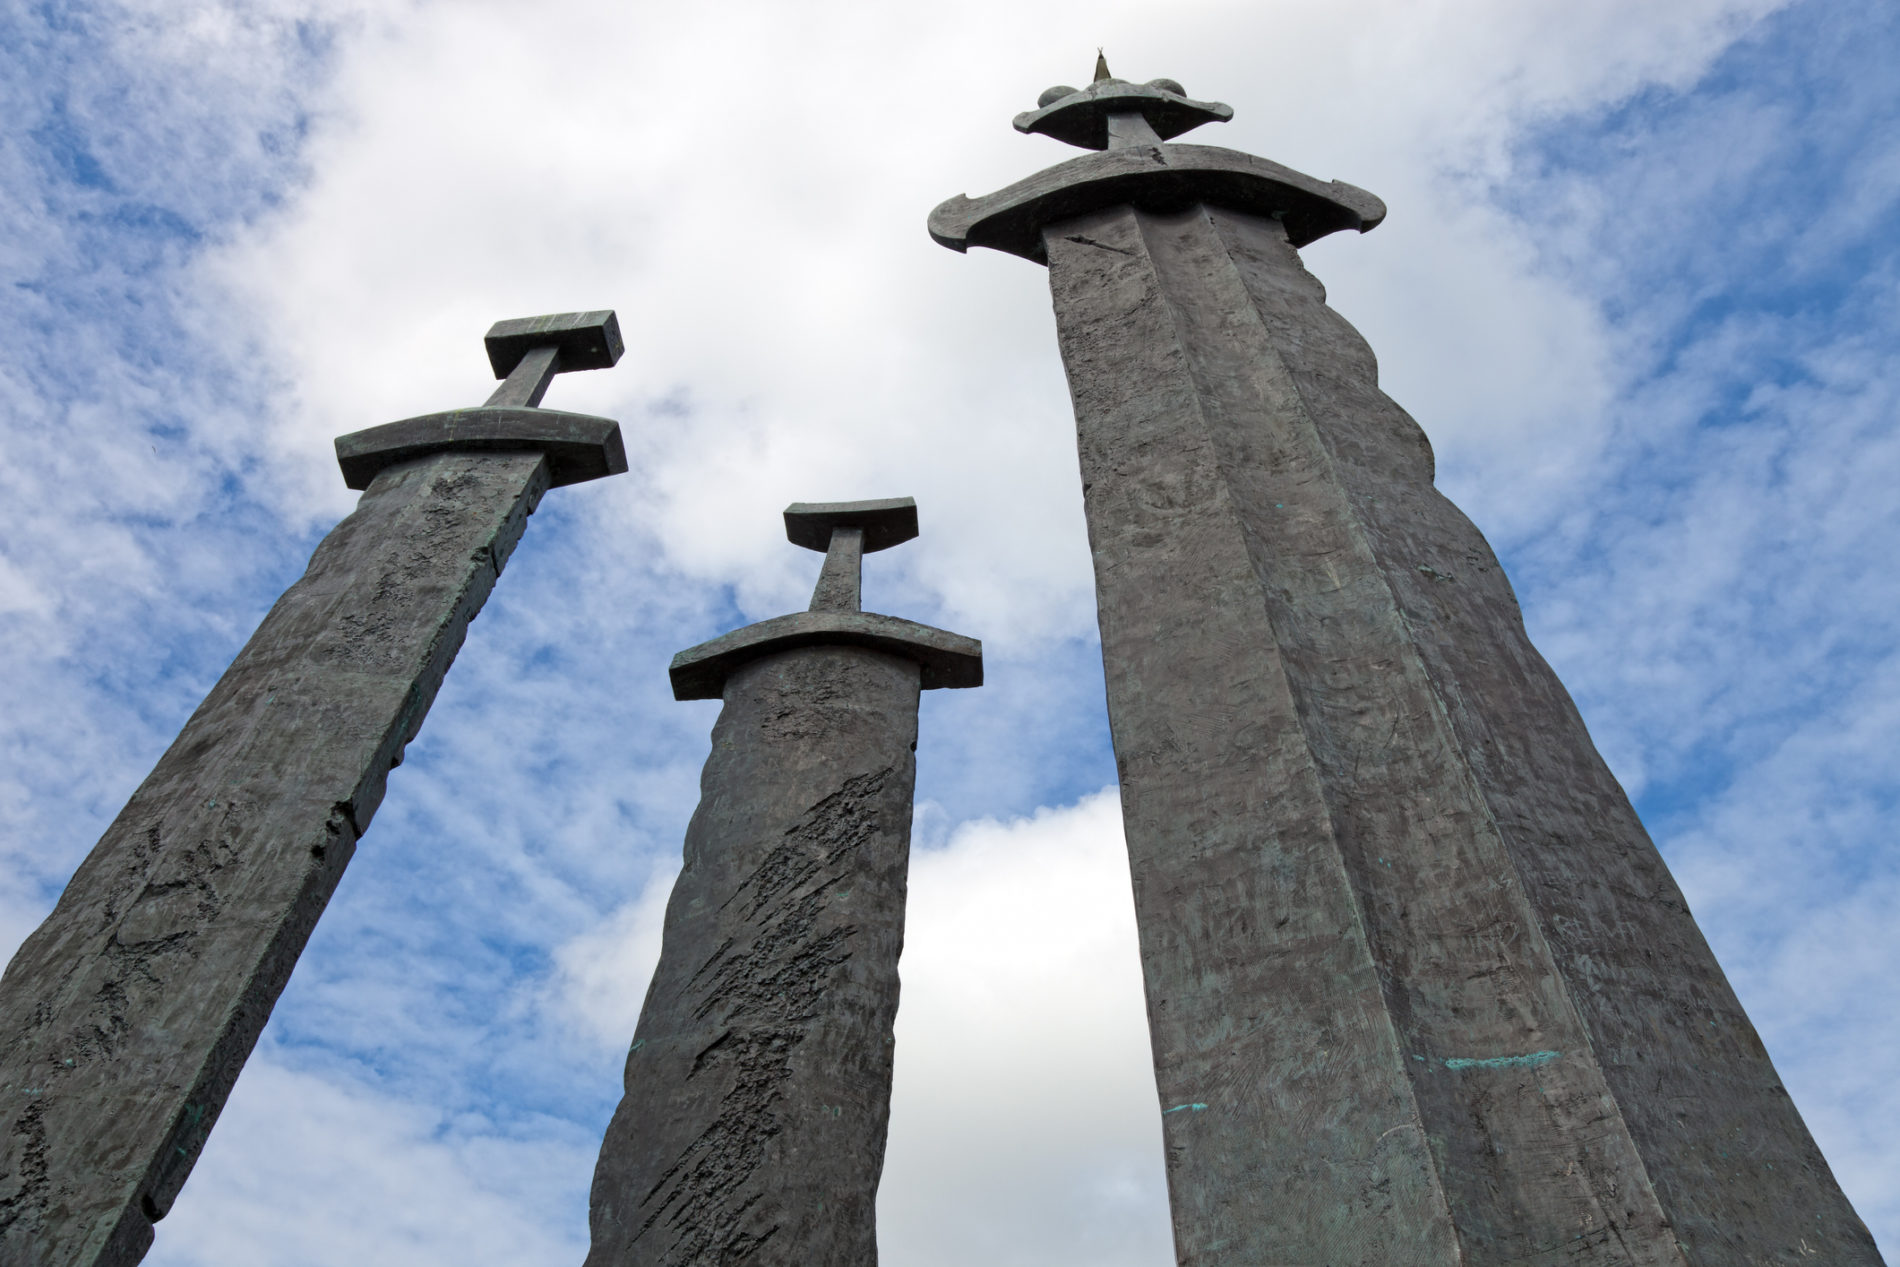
(1421, 990)
(129, 1013)
(758, 1084)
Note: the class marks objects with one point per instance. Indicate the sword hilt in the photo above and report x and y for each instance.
(846, 532)
(528, 352)
(1112, 114)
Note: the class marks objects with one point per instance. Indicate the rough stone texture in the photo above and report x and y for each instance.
(840, 585)
(130, 1011)
(758, 1084)
(1421, 988)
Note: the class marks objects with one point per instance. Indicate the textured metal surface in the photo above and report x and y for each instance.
(1081, 117)
(585, 340)
(886, 522)
(579, 447)
(1421, 989)
(1155, 178)
(758, 1083)
(130, 1011)
(945, 659)
(528, 381)
(844, 531)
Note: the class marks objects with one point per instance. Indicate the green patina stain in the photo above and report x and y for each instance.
(1530, 1061)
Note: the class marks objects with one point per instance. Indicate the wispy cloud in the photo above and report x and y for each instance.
(1717, 591)
(1635, 284)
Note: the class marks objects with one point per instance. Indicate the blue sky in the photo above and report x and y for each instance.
(1638, 284)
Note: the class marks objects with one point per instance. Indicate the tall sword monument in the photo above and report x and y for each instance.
(128, 1014)
(758, 1086)
(1420, 988)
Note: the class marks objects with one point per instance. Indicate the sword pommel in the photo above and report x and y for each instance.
(1099, 116)
(587, 340)
(885, 523)
(528, 352)
(1130, 123)
(846, 532)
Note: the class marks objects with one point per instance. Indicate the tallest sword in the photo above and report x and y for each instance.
(1420, 988)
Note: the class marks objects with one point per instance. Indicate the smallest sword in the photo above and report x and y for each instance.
(758, 1084)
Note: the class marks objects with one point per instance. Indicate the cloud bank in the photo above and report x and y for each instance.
(1636, 286)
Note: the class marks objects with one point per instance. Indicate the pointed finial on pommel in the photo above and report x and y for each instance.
(1112, 113)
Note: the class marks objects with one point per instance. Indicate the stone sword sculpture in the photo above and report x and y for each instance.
(758, 1084)
(1420, 988)
(127, 1015)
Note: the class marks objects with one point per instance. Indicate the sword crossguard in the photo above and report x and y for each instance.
(526, 354)
(846, 531)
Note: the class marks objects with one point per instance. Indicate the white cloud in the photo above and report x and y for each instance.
(1024, 1125)
(321, 1170)
(765, 248)
(747, 183)
(601, 976)
(1792, 869)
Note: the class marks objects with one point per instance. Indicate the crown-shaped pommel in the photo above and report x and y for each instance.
(1081, 117)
